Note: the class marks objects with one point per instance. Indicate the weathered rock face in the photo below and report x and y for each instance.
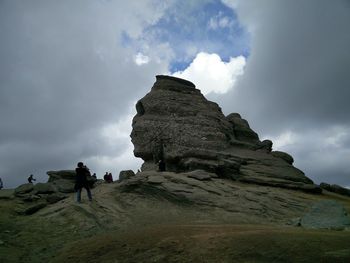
(123, 175)
(328, 214)
(63, 180)
(176, 123)
(175, 118)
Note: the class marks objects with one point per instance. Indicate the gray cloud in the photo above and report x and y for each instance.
(64, 75)
(296, 79)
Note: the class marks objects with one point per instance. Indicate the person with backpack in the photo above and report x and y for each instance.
(81, 181)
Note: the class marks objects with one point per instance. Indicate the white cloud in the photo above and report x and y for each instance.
(336, 136)
(141, 59)
(321, 153)
(220, 22)
(116, 136)
(211, 74)
(72, 76)
(115, 164)
(284, 140)
(291, 82)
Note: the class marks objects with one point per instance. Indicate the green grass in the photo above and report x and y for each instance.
(212, 243)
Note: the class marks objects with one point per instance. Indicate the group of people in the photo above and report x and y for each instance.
(108, 177)
(82, 175)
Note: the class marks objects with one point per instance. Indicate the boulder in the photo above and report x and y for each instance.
(335, 189)
(326, 214)
(156, 179)
(64, 186)
(265, 145)
(34, 208)
(24, 189)
(44, 188)
(30, 197)
(284, 156)
(177, 124)
(326, 186)
(241, 129)
(340, 190)
(62, 174)
(201, 175)
(55, 197)
(127, 174)
(63, 180)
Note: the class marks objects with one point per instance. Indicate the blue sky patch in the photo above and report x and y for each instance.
(197, 26)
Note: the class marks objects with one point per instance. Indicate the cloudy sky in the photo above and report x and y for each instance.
(71, 72)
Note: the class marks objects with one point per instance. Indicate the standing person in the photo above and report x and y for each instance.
(161, 165)
(110, 178)
(31, 179)
(1, 184)
(81, 181)
(105, 177)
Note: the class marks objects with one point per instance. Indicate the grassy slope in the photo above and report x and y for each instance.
(212, 243)
(134, 229)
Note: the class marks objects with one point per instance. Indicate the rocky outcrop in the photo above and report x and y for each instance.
(44, 188)
(63, 180)
(326, 214)
(203, 190)
(285, 156)
(176, 123)
(335, 189)
(241, 130)
(24, 189)
(61, 174)
(123, 175)
(38, 196)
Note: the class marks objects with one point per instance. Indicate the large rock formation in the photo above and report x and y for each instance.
(176, 123)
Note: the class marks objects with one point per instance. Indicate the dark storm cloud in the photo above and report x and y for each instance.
(297, 78)
(63, 77)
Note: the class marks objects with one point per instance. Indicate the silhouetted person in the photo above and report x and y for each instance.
(94, 176)
(81, 181)
(31, 179)
(1, 184)
(105, 177)
(110, 178)
(161, 165)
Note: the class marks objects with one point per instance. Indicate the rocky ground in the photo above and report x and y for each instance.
(168, 217)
